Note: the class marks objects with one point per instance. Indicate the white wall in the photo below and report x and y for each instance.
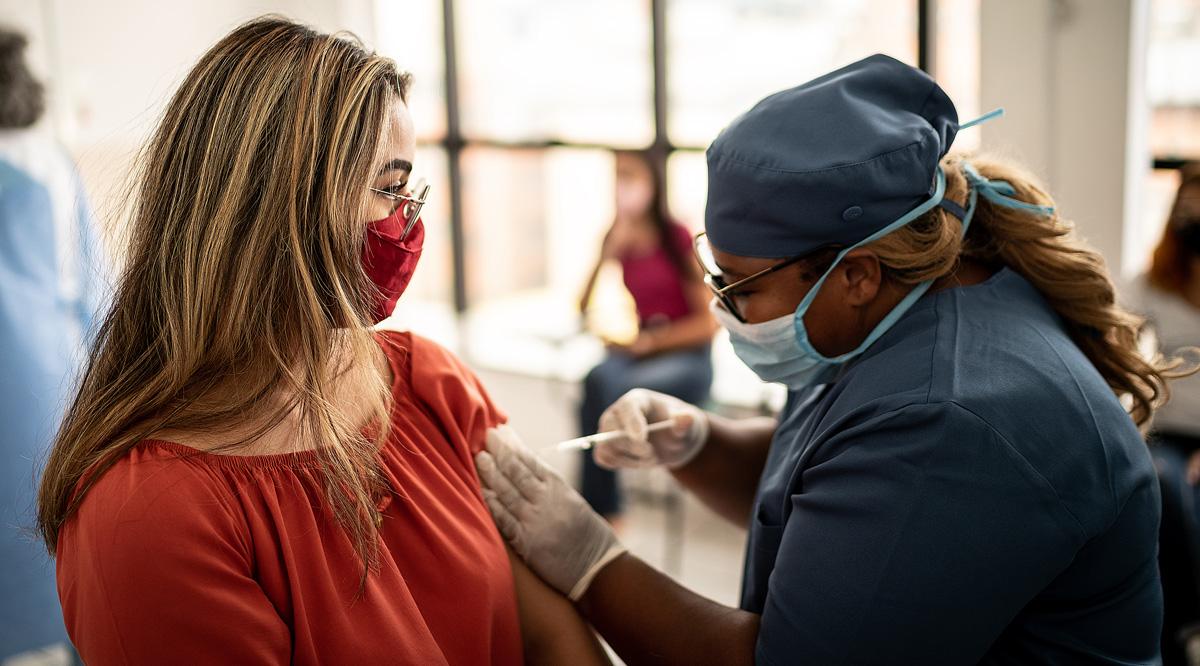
(1070, 74)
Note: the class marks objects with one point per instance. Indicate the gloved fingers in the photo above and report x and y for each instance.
(505, 437)
(503, 433)
(506, 522)
(630, 413)
(523, 453)
(494, 478)
(609, 423)
(507, 455)
(682, 421)
(624, 452)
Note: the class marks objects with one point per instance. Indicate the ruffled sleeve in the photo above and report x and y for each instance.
(439, 381)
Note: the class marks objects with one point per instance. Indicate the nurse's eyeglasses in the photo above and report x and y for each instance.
(714, 275)
(411, 204)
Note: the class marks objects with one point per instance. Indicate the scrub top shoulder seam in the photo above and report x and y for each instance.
(1108, 474)
(1030, 469)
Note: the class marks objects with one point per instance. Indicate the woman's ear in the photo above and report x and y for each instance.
(861, 277)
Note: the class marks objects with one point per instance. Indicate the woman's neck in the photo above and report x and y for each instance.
(348, 394)
(967, 273)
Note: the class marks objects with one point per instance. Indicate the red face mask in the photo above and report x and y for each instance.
(389, 261)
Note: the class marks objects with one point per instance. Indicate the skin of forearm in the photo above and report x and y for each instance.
(648, 618)
(725, 474)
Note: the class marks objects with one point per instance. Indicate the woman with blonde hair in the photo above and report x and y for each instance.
(954, 478)
(248, 472)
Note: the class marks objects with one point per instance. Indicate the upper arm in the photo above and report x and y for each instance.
(899, 528)
(455, 396)
(152, 573)
(552, 630)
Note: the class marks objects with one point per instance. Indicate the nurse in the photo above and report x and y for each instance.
(953, 478)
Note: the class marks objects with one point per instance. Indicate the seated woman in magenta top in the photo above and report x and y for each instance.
(671, 353)
(248, 473)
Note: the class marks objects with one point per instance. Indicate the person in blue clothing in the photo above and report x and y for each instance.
(51, 288)
(953, 478)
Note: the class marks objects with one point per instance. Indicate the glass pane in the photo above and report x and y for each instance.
(534, 222)
(534, 219)
(687, 187)
(410, 33)
(724, 56)
(956, 62)
(575, 71)
(1173, 87)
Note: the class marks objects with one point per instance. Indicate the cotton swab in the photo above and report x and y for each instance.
(585, 443)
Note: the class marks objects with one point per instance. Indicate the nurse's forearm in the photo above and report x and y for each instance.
(725, 473)
(650, 619)
(552, 631)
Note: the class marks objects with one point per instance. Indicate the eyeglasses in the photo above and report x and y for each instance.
(411, 204)
(715, 280)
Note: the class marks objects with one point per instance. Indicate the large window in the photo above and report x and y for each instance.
(1173, 87)
(955, 61)
(725, 55)
(518, 105)
(578, 71)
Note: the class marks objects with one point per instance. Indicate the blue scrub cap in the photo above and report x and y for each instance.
(828, 162)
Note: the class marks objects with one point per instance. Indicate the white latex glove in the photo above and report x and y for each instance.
(545, 521)
(631, 414)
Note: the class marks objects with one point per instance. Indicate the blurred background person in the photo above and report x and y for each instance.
(50, 290)
(1169, 297)
(672, 352)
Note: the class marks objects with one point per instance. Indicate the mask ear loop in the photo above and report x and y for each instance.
(990, 115)
(952, 207)
(1000, 192)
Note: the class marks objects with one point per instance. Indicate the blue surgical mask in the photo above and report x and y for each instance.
(770, 349)
(780, 351)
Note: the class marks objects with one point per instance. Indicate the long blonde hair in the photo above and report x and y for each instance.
(244, 270)
(1069, 274)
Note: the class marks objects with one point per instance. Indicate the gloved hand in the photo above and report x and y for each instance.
(632, 413)
(545, 521)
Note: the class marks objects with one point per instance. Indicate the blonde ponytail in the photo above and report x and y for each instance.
(1043, 249)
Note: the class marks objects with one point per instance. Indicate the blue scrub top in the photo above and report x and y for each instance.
(968, 490)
